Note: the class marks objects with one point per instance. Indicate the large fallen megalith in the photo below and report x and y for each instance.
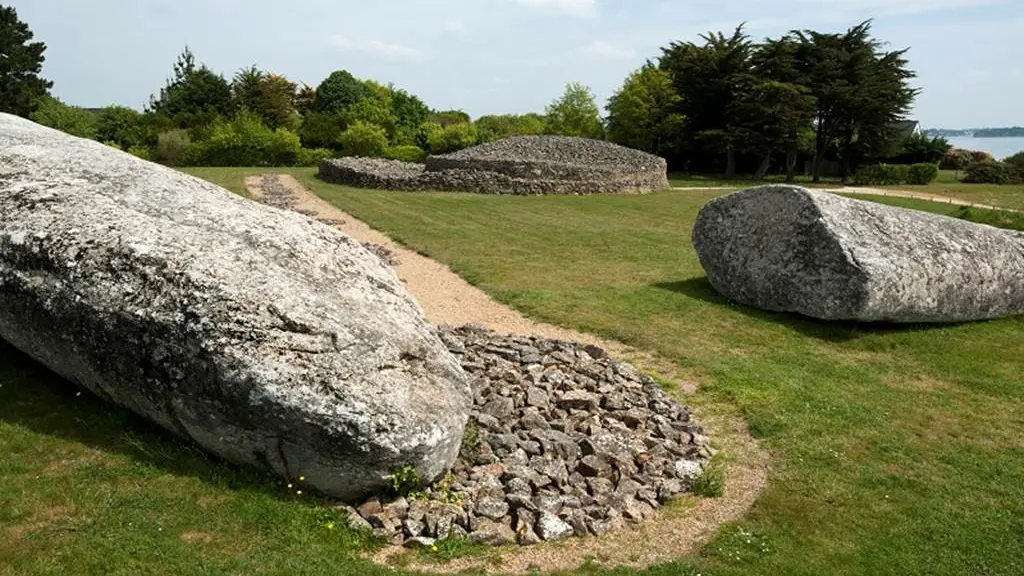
(266, 337)
(789, 249)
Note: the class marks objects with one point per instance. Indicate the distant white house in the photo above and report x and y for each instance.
(908, 128)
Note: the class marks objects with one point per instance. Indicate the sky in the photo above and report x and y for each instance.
(509, 56)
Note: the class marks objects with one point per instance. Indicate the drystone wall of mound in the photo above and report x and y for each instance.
(527, 165)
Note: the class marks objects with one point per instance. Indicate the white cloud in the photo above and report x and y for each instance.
(456, 27)
(878, 7)
(388, 50)
(572, 7)
(607, 51)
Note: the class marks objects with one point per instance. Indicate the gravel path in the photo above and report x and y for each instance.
(919, 196)
(673, 532)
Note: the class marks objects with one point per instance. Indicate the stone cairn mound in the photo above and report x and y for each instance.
(563, 441)
(525, 165)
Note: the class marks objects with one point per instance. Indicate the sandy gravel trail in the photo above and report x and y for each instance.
(676, 531)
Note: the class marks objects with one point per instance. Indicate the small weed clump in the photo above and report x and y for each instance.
(406, 483)
(469, 436)
(711, 483)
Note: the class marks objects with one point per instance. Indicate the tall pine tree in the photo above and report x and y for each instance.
(21, 61)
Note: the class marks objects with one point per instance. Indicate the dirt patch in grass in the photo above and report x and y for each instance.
(924, 384)
(193, 537)
(677, 530)
(53, 517)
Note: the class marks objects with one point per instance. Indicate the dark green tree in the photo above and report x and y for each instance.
(774, 112)
(860, 92)
(271, 97)
(410, 112)
(304, 98)
(709, 79)
(21, 61)
(339, 91)
(194, 96)
(917, 149)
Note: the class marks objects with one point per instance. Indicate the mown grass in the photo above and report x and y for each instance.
(947, 184)
(999, 195)
(742, 180)
(896, 450)
(88, 488)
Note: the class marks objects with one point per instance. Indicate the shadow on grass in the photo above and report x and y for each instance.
(831, 331)
(34, 398)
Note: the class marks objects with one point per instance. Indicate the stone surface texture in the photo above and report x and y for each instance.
(264, 336)
(525, 165)
(563, 441)
(790, 249)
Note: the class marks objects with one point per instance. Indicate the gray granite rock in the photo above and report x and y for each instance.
(614, 454)
(790, 249)
(266, 337)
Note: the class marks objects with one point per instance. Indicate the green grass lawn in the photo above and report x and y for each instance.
(896, 450)
(741, 181)
(1001, 195)
(947, 184)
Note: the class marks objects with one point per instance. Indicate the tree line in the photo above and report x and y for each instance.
(721, 103)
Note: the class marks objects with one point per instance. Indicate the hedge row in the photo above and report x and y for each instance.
(246, 141)
(894, 174)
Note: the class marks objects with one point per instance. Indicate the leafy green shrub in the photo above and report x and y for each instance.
(244, 141)
(321, 130)
(426, 132)
(988, 173)
(140, 151)
(406, 154)
(120, 124)
(956, 159)
(60, 116)
(880, 174)
(921, 149)
(406, 483)
(171, 147)
(1016, 165)
(491, 128)
(452, 138)
(710, 484)
(375, 109)
(364, 139)
(997, 218)
(922, 174)
(313, 156)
